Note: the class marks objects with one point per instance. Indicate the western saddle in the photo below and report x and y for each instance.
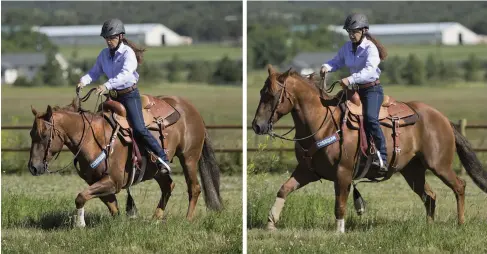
(393, 114)
(158, 114)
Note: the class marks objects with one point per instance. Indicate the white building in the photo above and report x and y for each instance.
(446, 33)
(144, 34)
(15, 65)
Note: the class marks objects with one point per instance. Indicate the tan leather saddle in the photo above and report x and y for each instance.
(393, 114)
(158, 114)
(389, 110)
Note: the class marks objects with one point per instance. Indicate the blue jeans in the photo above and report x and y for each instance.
(371, 99)
(133, 106)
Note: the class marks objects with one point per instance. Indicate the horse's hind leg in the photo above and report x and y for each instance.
(130, 207)
(167, 185)
(300, 177)
(111, 202)
(414, 173)
(189, 162)
(441, 165)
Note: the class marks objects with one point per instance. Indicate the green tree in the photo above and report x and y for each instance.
(431, 67)
(175, 70)
(51, 72)
(23, 39)
(200, 71)
(413, 71)
(268, 45)
(473, 69)
(228, 71)
(392, 69)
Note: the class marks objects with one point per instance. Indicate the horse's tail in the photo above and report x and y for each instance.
(210, 176)
(469, 160)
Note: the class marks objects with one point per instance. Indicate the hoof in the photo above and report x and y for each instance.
(79, 222)
(271, 226)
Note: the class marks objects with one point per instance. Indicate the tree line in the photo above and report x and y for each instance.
(203, 21)
(469, 14)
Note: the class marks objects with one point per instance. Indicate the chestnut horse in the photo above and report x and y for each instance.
(86, 133)
(428, 144)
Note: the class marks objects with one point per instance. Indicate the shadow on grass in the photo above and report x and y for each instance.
(58, 221)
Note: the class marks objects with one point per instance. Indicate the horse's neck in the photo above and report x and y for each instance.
(309, 113)
(76, 128)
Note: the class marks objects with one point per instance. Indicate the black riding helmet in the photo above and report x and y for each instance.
(112, 27)
(356, 21)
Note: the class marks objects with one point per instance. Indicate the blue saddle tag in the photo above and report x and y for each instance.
(98, 159)
(327, 141)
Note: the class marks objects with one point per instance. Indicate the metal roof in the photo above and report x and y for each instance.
(93, 30)
(411, 28)
(23, 59)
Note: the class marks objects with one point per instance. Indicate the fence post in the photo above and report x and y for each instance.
(463, 131)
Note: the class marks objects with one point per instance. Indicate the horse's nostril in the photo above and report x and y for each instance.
(256, 128)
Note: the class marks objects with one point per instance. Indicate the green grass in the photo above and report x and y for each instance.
(208, 52)
(37, 211)
(395, 220)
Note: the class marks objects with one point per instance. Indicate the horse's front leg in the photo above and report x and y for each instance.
(342, 189)
(300, 177)
(104, 187)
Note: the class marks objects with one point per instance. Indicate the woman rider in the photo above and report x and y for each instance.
(119, 62)
(362, 55)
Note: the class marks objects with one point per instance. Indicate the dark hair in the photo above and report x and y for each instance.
(380, 47)
(139, 52)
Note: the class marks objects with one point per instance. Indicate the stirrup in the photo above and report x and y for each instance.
(163, 166)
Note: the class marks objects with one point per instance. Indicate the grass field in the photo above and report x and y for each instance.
(36, 215)
(395, 220)
(163, 54)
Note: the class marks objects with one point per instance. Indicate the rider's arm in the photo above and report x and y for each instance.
(337, 62)
(126, 74)
(95, 71)
(369, 72)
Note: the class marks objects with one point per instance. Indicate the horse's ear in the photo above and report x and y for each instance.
(311, 76)
(48, 114)
(270, 69)
(286, 74)
(74, 104)
(34, 111)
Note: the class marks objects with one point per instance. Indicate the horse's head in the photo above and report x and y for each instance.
(46, 141)
(275, 101)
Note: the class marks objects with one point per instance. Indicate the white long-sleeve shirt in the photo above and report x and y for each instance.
(363, 65)
(120, 70)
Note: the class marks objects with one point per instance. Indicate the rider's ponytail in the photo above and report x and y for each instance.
(380, 47)
(139, 52)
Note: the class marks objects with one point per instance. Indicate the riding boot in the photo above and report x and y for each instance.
(163, 165)
(380, 163)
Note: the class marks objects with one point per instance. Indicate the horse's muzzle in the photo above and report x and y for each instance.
(260, 129)
(36, 170)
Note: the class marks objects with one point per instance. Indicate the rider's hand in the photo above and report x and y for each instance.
(101, 89)
(323, 71)
(344, 83)
(80, 85)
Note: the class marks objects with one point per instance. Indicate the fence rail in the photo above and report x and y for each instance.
(462, 125)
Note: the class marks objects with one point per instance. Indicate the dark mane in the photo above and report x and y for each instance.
(72, 107)
(312, 81)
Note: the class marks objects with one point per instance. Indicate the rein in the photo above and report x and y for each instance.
(284, 91)
(51, 136)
